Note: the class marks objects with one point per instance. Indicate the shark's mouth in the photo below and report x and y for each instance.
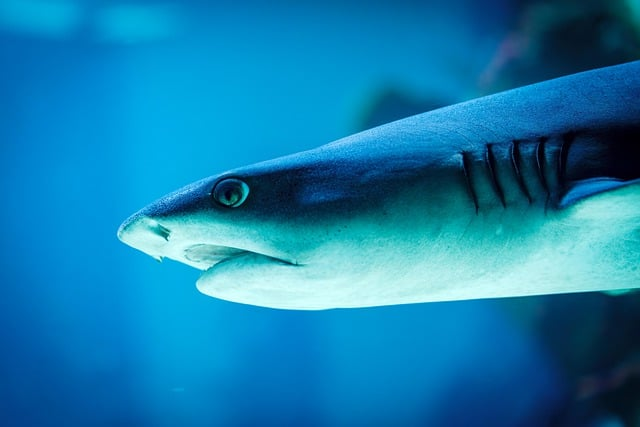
(206, 255)
(209, 255)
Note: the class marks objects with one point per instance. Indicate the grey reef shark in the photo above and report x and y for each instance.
(531, 191)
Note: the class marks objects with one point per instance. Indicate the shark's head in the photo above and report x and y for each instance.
(492, 197)
(235, 227)
(284, 233)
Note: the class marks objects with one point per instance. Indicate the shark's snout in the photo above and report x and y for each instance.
(145, 233)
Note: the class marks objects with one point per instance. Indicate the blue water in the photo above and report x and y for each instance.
(105, 106)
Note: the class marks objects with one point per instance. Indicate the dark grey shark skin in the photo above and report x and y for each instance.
(531, 191)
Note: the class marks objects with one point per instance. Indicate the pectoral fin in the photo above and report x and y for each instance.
(586, 188)
(618, 292)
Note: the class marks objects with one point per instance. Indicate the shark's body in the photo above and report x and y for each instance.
(530, 191)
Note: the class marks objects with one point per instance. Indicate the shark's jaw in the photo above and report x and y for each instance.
(245, 275)
(166, 239)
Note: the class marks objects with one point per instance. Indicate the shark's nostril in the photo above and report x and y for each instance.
(158, 229)
(146, 234)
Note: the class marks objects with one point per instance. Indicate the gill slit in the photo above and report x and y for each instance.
(466, 169)
(515, 162)
(567, 140)
(540, 163)
(490, 159)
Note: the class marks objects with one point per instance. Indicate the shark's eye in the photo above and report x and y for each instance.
(230, 192)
